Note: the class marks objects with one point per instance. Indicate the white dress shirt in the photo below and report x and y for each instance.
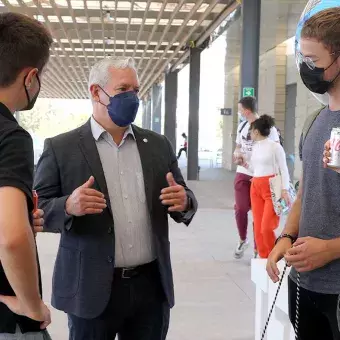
(125, 183)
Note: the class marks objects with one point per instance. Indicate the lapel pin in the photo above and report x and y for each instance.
(145, 140)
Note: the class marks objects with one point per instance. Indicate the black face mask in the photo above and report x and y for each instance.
(314, 79)
(31, 102)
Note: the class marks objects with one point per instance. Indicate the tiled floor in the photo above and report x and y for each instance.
(214, 294)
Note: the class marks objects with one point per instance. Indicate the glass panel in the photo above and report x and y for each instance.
(81, 20)
(67, 19)
(188, 7)
(39, 18)
(93, 4)
(13, 3)
(53, 18)
(203, 8)
(77, 4)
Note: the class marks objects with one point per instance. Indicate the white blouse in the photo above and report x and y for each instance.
(268, 158)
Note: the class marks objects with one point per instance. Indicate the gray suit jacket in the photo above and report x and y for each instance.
(84, 266)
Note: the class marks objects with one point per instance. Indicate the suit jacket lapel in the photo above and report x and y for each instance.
(89, 148)
(146, 156)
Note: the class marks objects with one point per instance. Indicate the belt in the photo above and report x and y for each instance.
(130, 272)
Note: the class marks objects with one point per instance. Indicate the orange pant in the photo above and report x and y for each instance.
(265, 219)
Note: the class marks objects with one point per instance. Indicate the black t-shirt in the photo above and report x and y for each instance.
(16, 170)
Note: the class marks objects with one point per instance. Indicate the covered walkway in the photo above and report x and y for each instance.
(215, 296)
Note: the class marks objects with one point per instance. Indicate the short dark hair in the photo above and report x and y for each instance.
(324, 27)
(263, 125)
(24, 42)
(248, 103)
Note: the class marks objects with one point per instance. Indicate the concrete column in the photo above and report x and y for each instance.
(171, 87)
(306, 104)
(272, 85)
(194, 98)
(143, 103)
(251, 15)
(148, 113)
(156, 99)
(230, 123)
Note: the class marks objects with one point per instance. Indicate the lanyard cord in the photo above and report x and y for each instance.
(296, 324)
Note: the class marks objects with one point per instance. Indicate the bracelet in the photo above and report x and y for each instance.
(292, 238)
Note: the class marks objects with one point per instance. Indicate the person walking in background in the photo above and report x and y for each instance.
(243, 151)
(185, 146)
(267, 160)
(24, 52)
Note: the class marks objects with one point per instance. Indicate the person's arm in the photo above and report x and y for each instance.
(185, 216)
(284, 244)
(280, 157)
(238, 142)
(293, 220)
(48, 186)
(17, 248)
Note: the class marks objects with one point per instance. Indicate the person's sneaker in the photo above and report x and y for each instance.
(256, 254)
(240, 249)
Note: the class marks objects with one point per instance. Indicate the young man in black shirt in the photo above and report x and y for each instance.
(24, 51)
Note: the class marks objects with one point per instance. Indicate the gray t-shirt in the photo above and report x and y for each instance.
(320, 212)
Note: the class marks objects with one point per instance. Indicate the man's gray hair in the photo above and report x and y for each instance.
(99, 73)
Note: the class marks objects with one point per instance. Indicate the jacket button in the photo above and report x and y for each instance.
(109, 230)
(110, 259)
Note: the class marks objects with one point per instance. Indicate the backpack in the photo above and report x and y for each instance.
(306, 127)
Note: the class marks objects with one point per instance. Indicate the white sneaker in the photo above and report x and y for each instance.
(241, 248)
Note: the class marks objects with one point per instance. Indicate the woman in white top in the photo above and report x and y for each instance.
(268, 159)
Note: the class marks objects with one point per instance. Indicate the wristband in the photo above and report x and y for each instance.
(292, 238)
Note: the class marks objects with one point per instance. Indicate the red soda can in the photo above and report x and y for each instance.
(35, 201)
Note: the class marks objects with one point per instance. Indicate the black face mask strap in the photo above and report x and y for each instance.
(105, 93)
(332, 63)
(27, 94)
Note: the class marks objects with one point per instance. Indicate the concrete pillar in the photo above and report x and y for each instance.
(251, 22)
(230, 123)
(171, 87)
(306, 104)
(272, 85)
(148, 113)
(194, 98)
(143, 103)
(156, 99)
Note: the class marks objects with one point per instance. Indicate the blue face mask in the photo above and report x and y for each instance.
(123, 108)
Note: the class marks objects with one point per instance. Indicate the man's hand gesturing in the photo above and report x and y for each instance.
(85, 201)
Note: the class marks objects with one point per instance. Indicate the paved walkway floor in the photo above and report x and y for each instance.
(215, 299)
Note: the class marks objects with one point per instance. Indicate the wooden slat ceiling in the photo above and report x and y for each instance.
(156, 33)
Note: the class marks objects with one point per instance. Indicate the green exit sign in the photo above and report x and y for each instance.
(248, 92)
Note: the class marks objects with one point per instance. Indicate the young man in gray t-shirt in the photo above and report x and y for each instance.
(315, 216)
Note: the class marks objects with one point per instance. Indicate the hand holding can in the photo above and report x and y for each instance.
(38, 214)
(335, 148)
(331, 154)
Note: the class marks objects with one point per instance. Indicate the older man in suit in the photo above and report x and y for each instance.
(108, 188)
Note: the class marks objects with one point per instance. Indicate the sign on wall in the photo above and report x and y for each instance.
(226, 112)
(248, 92)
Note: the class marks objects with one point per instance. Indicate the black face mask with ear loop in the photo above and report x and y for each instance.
(31, 101)
(314, 79)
